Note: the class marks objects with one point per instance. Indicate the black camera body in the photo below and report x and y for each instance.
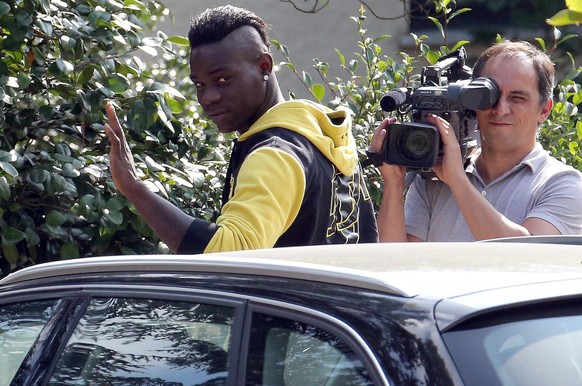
(447, 90)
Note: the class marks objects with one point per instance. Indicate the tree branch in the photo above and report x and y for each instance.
(318, 5)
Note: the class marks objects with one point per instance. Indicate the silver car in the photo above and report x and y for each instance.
(483, 313)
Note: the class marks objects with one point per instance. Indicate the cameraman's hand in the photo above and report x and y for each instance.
(391, 225)
(390, 173)
(449, 167)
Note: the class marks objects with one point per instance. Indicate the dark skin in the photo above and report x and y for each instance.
(230, 79)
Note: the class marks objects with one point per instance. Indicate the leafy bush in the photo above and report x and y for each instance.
(60, 62)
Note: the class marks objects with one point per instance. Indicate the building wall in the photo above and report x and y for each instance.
(307, 36)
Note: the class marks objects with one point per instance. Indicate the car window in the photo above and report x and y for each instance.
(527, 352)
(122, 341)
(291, 353)
(20, 325)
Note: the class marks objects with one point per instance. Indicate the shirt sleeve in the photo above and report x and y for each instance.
(560, 203)
(417, 210)
(268, 194)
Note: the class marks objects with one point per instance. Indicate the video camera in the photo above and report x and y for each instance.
(447, 90)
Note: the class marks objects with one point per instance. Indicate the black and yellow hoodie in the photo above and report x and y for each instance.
(293, 179)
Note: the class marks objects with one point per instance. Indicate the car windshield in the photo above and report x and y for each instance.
(539, 349)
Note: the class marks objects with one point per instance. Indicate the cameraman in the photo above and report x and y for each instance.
(512, 187)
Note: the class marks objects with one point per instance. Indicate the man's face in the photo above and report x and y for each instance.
(511, 125)
(229, 84)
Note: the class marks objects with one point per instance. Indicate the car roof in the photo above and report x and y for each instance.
(404, 269)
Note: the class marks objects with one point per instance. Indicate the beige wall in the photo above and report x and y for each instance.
(307, 36)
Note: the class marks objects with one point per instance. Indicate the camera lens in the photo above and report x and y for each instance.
(416, 143)
(411, 144)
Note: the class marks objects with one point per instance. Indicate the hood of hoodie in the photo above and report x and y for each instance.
(329, 130)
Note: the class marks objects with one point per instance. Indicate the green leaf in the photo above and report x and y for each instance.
(8, 168)
(39, 56)
(46, 112)
(438, 25)
(68, 43)
(307, 79)
(12, 82)
(171, 91)
(318, 91)
(459, 44)
(112, 217)
(134, 5)
(70, 171)
(574, 5)
(85, 75)
(85, 207)
(459, 12)
(32, 237)
(341, 57)
(117, 83)
(70, 251)
(7, 156)
(152, 165)
(179, 40)
(64, 66)
(55, 218)
(4, 8)
(432, 57)
(45, 27)
(54, 232)
(58, 184)
(4, 189)
(38, 176)
(82, 100)
(24, 19)
(12, 236)
(96, 17)
(113, 5)
(10, 252)
(143, 114)
(95, 100)
(115, 205)
(565, 17)
(149, 50)
(291, 66)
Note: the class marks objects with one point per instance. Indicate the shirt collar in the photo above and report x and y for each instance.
(534, 160)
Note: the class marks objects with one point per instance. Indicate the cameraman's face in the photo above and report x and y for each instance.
(511, 124)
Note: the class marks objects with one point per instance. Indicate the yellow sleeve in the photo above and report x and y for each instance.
(267, 197)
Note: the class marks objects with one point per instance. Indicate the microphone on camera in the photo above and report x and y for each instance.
(393, 99)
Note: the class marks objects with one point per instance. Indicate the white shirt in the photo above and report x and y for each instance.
(539, 186)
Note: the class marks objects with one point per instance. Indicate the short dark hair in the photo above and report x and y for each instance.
(215, 24)
(521, 49)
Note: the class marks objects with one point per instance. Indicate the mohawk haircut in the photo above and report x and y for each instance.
(215, 24)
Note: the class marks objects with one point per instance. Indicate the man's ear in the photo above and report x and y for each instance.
(266, 63)
(546, 110)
